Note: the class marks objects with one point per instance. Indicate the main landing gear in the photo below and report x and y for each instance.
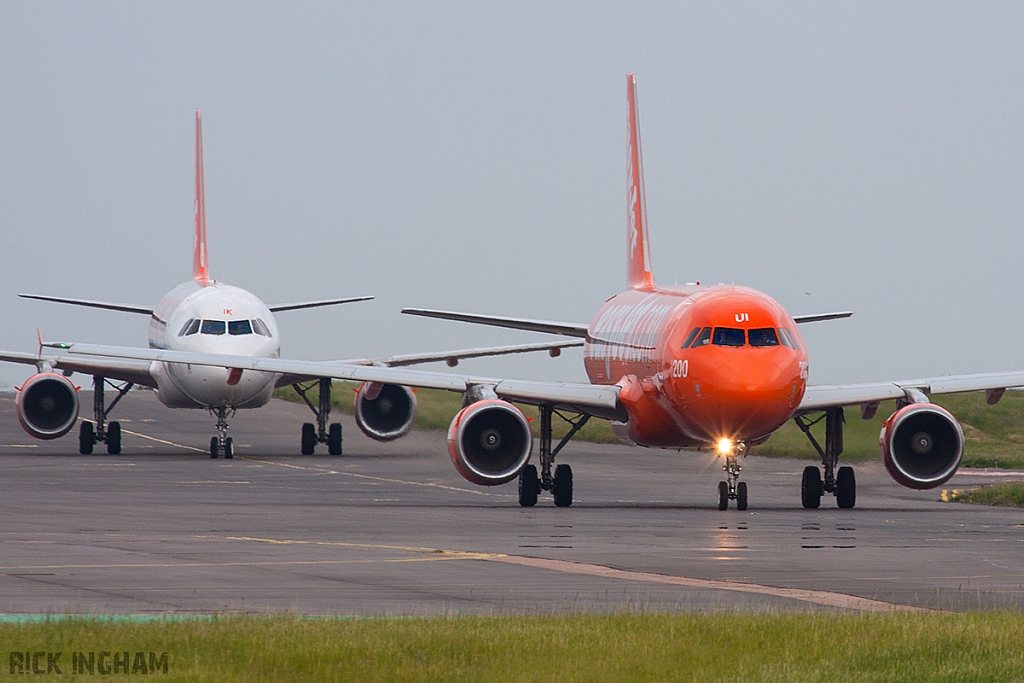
(842, 483)
(92, 433)
(222, 443)
(320, 432)
(732, 488)
(560, 484)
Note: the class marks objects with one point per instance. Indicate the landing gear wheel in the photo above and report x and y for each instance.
(846, 488)
(86, 438)
(563, 486)
(529, 486)
(114, 438)
(308, 438)
(741, 496)
(334, 439)
(723, 495)
(229, 448)
(810, 488)
(214, 447)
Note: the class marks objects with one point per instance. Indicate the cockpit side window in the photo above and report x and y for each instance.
(728, 336)
(763, 336)
(702, 339)
(184, 328)
(193, 328)
(238, 327)
(690, 337)
(216, 327)
(788, 336)
(261, 327)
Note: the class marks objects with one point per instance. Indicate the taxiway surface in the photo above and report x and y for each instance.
(391, 529)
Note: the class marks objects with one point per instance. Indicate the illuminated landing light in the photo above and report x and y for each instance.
(724, 447)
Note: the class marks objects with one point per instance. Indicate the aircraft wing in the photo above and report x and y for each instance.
(823, 396)
(452, 357)
(549, 326)
(123, 369)
(108, 305)
(277, 308)
(598, 400)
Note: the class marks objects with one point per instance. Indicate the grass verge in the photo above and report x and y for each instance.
(618, 647)
(994, 434)
(1010, 494)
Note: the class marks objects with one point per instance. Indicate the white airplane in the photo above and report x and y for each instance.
(205, 316)
(683, 367)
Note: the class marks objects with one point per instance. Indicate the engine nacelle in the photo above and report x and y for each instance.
(490, 442)
(47, 405)
(922, 445)
(388, 414)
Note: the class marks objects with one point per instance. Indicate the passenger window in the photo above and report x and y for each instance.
(184, 328)
(728, 336)
(787, 335)
(690, 337)
(213, 327)
(764, 336)
(703, 339)
(238, 327)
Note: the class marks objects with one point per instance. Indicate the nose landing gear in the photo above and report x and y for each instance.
(222, 443)
(732, 488)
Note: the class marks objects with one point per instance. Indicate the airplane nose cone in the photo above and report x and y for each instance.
(746, 400)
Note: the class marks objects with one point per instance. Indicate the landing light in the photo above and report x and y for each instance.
(724, 446)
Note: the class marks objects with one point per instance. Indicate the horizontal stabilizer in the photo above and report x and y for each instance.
(316, 304)
(551, 327)
(108, 305)
(821, 316)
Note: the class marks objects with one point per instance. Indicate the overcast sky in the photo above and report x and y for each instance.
(472, 156)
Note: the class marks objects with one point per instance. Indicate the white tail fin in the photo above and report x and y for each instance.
(638, 254)
(200, 267)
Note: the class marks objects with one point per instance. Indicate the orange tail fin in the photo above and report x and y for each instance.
(200, 271)
(638, 266)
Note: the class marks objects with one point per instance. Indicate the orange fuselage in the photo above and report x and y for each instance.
(698, 364)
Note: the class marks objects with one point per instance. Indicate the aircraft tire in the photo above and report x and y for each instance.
(86, 438)
(529, 486)
(214, 447)
(308, 438)
(114, 438)
(723, 495)
(229, 448)
(741, 496)
(334, 439)
(810, 488)
(846, 488)
(563, 486)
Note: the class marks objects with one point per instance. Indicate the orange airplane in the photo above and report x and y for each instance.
(695, 366)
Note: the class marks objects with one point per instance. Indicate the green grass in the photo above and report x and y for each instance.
(1010, 494)
(994, 434)
(565, 648)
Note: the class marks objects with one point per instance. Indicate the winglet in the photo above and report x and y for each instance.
(200, 271)
(638, 254)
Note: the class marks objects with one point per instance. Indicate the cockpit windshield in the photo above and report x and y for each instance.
(216, 327)
(237, 327)
(764, 336)
(728, 336)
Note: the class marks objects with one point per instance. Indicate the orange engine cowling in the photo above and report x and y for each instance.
(922, 445)
(47, 405)
(385, 411)
(490, 442)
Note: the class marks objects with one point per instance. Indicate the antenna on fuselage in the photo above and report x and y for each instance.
(200, 266)
(638, 248)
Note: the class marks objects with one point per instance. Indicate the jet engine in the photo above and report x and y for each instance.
(490, 442)
(385, 411)
(921, 445)
(47, 405)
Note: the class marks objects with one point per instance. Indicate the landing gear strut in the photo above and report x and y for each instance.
(560, 484)
(89, 433)
(222, 443)
(841, 482)
(732, 488)
(321, 432)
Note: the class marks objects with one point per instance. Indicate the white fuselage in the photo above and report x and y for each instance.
(215, 318)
